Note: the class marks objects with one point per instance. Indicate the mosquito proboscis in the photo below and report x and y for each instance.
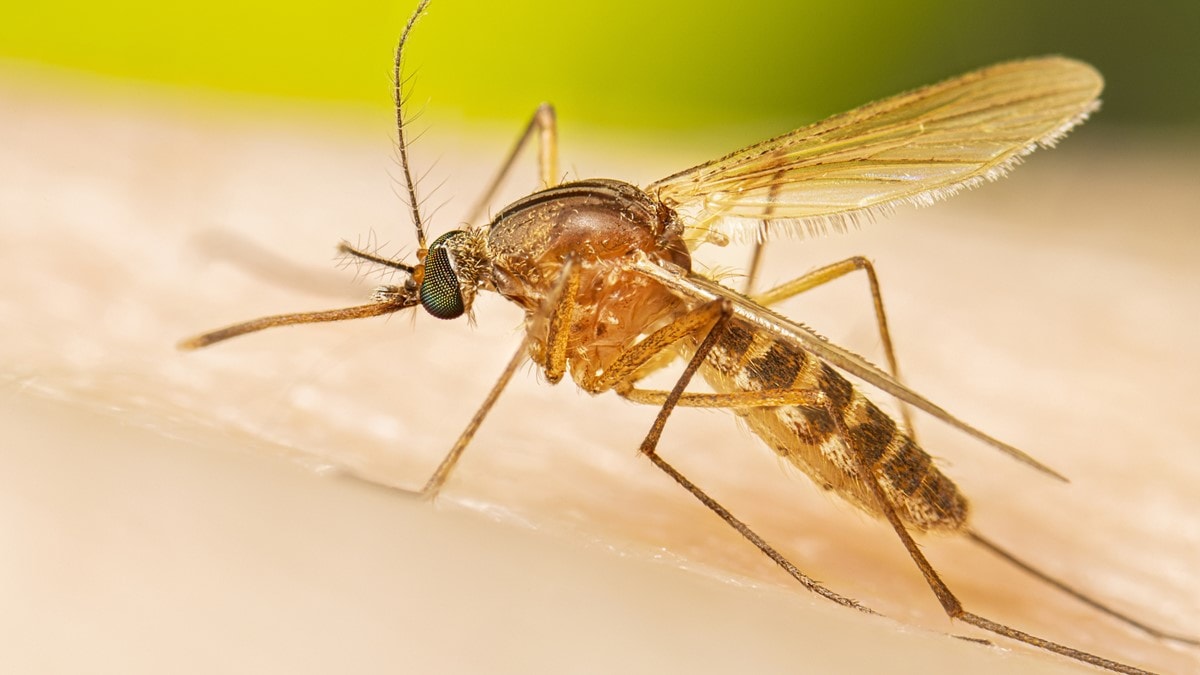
(603, 271)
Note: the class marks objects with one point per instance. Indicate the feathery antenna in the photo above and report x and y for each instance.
(398, 97)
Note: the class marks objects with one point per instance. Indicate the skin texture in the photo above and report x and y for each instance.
(155, 513)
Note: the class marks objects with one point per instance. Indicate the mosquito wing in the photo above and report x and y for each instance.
(913, 148)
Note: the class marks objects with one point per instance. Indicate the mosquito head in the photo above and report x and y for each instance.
(450, 272)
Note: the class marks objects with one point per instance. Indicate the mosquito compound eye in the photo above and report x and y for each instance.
(440, 295)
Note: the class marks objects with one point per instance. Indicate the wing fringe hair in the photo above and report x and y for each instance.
(915, 148)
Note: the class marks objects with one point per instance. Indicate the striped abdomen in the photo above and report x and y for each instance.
(831, 453)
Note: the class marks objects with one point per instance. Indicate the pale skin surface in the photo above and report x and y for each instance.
(155, 518)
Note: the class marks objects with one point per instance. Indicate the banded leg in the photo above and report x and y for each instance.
(543, 125)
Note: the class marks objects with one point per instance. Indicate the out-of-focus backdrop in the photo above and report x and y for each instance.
(168, 168)
(628, 63)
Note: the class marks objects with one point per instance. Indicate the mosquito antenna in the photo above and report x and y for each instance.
(398, 97)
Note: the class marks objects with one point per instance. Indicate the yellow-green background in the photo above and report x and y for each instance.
(628, 63)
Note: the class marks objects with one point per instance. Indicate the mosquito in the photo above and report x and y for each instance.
(603, 272)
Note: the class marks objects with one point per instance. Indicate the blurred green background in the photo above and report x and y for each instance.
(626, 63)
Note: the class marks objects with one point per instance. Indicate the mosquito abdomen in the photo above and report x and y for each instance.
(833, 444)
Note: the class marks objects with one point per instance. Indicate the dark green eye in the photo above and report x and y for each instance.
(440, 295)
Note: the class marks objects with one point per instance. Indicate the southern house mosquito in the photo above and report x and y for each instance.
(603, 271)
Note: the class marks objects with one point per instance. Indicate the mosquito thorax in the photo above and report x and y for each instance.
(598, 221)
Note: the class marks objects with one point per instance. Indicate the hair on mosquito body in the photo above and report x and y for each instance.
(604, 272)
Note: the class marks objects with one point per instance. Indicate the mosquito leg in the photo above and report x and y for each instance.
(995, 549)
(559, 306)
(824, 275)
(563, 300)
(755, 267)
(710, 318)
(954, 608)
(811, 399)
(544, 125)
(753, 537)
(759, 398)
(649, 448)
(435, 482)
(760, 242)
